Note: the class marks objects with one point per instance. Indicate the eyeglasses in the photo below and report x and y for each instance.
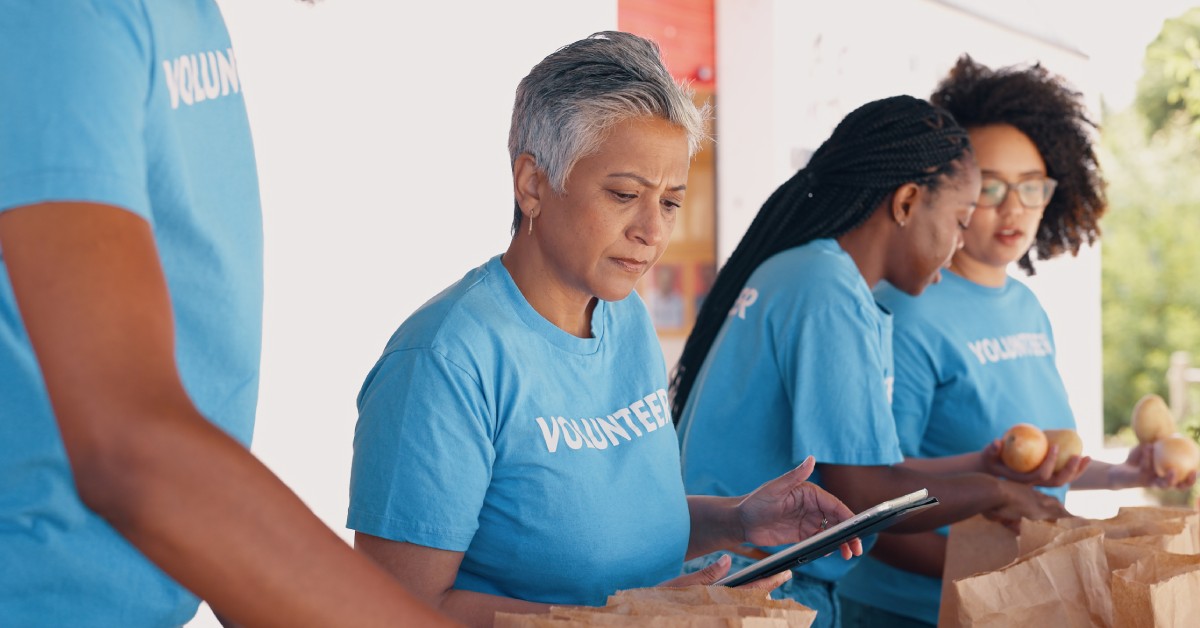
(1034, 194)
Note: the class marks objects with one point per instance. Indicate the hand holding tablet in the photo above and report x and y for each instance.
(866, 522)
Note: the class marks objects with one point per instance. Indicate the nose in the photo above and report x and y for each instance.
(1012, 202)
(651, 226)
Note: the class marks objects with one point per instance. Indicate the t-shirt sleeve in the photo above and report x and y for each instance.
(75, 82)
(834, 363)
(423, 452)
(915, 386)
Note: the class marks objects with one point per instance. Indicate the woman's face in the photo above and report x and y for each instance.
(1001, 232)
(619, 207)
(933, 229)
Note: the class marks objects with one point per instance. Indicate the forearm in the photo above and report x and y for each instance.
(209, 514)
(479, 609)
(923, 553)
(971, 462)
(715, 524)
(960, 496)
(1102, 475)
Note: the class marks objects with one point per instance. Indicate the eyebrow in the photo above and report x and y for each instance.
(643, 180)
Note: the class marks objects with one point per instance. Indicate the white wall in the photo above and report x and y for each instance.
(381, 130)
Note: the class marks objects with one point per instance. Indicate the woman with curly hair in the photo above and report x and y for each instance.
(975, 354)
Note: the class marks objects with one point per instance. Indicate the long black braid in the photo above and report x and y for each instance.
(874, 150)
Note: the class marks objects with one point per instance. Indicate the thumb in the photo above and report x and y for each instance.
(706, 576)
(715, 571)
(800, 473)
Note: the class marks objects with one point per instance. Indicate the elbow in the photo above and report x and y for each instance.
(114, 464)
(104, 480)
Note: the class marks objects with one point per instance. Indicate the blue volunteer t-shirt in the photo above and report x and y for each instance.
(971, 362)
(550, 460)
(135, 104)
(802, 366)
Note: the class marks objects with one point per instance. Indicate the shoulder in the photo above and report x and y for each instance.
(454, 318)
(66, 29)
(816, 273)
(1021, 292)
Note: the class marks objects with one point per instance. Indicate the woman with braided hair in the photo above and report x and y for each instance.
(976, 354)
(791, 355)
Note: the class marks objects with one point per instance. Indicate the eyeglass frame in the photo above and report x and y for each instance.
(1050, 185)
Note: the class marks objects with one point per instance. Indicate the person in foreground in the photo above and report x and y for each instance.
(514, 446)
(955, 392)
(790, 352)
(130, 326)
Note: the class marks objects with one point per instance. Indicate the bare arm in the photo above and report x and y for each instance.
(922, 553)
(971, 462)
(430, 573)
(961, 496)
(91, 292)
(1137, 471)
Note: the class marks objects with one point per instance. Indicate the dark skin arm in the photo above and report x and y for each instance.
(961, 496)
(94, 301)
(922, 553)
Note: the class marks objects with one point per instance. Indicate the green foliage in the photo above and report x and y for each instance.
(1170, 86)
(1150, 257)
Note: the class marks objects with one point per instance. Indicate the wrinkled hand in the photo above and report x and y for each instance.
(718, 569)
(1044, 475)
(1142, 458)
(788, 509)
(1022, 501)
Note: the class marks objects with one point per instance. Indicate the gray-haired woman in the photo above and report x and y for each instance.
(514, 446)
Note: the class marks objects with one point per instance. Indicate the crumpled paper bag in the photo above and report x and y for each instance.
(667, 607)
(1064, 582)
(1161, 590)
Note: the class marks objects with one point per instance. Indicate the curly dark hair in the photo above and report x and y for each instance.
(1050, 112)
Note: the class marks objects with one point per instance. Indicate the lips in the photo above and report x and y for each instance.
(1010, 236)
(629, 264)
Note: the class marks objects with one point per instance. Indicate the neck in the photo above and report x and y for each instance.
(545, 289)
(978, 272)
(865, 245)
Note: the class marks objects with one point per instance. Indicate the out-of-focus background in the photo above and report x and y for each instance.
(381, 130)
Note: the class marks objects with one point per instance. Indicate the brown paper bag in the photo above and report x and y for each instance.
(585, 618)
(1063, 583)
(664, 607)
(1189, 517)
(748, 602)
(976, 545)
(1160, 591)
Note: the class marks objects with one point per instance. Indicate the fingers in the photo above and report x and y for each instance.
(768, 584)
(788, 482)
(1046, 470)
(706, 576)
(715, 571)
(850, 549)
(801, 473)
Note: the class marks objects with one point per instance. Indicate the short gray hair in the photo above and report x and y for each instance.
(570, 100)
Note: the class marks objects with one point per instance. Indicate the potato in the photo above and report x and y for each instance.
(1024, 447)
(1069, 444)
(1152, 419)
(1175, 453)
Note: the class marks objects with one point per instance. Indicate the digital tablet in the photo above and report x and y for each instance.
(870, 520)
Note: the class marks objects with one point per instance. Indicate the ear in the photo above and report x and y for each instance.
(904, 199)
(527, 184)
